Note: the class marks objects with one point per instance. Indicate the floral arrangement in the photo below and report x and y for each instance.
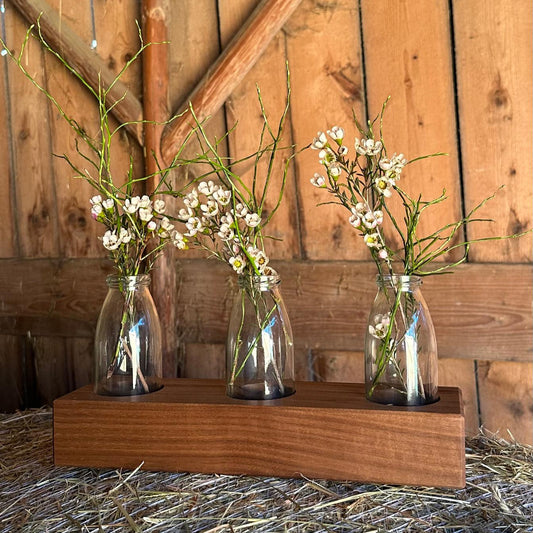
(366, 184)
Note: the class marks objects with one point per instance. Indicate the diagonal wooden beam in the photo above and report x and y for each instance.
(229, 69)
(61, 37)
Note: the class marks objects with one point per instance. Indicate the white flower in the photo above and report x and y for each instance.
(226, 219)
(131, 205)
(194, 225)
(185, 214)
(225, 232)
(145, 202)
(326, 157)
(145, 214)
(179, 240)
(191, 200)
(96, 211)
(384, 186)
(372, 240)
(373, 219)
(108, 204)
(368, 146)
(237, 263)
(260, 260)
(360, 208)
(355, 218)
(240, 211)
(393, 166)
(166, 228)
(210, 209)
(207, 188)
(152, 225)
(124, 236)
(110, 240)
(380, 327)
(159, 206)
(336, 133)
(252, 220)
(319, 141)
(383, 254)
(222, 196)
(318, 180)
(343, 150)
(335, 170)
(96, 200)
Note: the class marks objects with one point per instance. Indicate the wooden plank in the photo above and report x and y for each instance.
(8, 228)
(341, 367)
(242, 108)
(462, 373)
(11, 376)
(420, 117)
(80, 361)
(333, 434)
(494, 61)
(59, 34)
(327, 83)
(33, 198)
(328, 304)
(506, 398)
(229, 69)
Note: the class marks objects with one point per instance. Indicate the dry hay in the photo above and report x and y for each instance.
(35, 496)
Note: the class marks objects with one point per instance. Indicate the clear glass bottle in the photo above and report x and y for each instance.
(127, 346)
(401, 362)
(259, 348)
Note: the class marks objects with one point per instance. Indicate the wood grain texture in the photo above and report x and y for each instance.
(327, 84)
(11, 374)
(494, 60)
(323, 431)
(328, 304)
(412, 63)
(78, 53)
(229, 69)
(269, 75)
(506, 398)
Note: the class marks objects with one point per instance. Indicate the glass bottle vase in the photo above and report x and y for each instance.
(401, 363)
(127, 346)
(259, 348)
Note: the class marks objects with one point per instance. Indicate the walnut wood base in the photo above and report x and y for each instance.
(325, 430)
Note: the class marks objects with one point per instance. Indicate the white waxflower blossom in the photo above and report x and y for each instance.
(96, 200)
(372, 240)
(336, 133)
(145, 214)
(319, 141)
(166, 228)
(318, 180)
(252, 220)
(237, 263)
(259, 258)
(226, 219)
(225, 232)
(191, 200)
(384, 186)
(335, 170)
(96, 211)
(108, 204)
(185, 213)
(194, 225)
(124, 236)
(210, 209)
(383, 254)
(152, 225)
(380, 327)
(132, 204)
(326, 157)
(207, 188)
(145, 202)
(355, 218)
(159, 206)
(110, 240)
(240, 211)
(368, 146)
(393, 166)
(343, 150)
(179, 240)
(373, 219)
(222, 196)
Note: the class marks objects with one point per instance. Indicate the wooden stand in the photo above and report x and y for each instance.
(325, 430)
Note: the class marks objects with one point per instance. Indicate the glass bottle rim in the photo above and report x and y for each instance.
(398, 280)
(263, 282)
(117, 281)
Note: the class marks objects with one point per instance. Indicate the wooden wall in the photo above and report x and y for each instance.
(460, 76)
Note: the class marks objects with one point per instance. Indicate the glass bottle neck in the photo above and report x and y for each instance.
(399, 281)
(115, 281)
(261, 283)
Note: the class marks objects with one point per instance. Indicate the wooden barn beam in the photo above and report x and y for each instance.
(77, 53)
(229, 69)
